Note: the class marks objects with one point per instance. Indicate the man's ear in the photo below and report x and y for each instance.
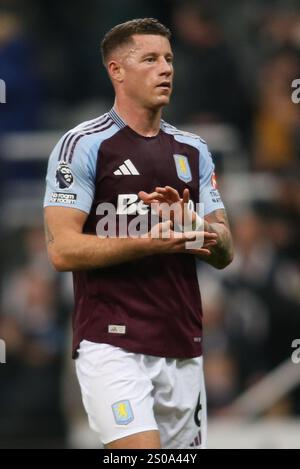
(115, 70)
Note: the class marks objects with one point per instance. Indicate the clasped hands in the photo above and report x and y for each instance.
(169, 206)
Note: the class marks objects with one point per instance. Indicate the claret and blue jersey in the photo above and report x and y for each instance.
(152, 305)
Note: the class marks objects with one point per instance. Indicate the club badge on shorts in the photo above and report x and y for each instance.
(122, 412)
(183, 168)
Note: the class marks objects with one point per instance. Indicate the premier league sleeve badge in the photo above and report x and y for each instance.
(64, 176)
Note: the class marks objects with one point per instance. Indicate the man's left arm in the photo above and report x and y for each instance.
(215, 221)
(214, 214)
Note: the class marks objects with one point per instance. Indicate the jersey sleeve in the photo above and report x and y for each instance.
(71, 183)
(209, 194)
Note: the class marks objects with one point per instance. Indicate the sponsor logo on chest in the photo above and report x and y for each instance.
(129, 204)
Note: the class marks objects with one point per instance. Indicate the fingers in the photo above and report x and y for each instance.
(177, 241)
(186, 196)
(168, 193)
(171, 190)
(183, 245)
(211, 243)
(164, 230)
(143, 195)
(207, 236)
(148, 198)
(165, 226)
(161, 230)
(201, 240)
(202, 252)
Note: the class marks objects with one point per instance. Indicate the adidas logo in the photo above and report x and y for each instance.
(127, 168)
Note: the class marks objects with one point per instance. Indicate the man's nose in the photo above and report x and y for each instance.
(166, 67)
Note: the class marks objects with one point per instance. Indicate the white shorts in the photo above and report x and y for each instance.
(126, 393)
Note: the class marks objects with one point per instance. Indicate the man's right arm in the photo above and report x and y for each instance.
(68, 200)
(69, 249)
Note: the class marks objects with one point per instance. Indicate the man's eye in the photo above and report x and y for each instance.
(150, 59)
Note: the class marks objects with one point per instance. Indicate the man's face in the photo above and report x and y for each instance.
(148, 70)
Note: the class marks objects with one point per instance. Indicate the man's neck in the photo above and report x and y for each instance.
(145, 122)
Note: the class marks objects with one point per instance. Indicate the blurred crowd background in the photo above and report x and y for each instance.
(235, 62)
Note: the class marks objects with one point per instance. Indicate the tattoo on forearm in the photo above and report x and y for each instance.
(222, 253)
(49, 235)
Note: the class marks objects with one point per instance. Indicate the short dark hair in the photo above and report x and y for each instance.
(121, 34)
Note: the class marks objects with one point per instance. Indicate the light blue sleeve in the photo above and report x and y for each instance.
(72, 184)
(209, 194)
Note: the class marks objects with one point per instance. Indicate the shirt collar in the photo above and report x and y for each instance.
(116, 118)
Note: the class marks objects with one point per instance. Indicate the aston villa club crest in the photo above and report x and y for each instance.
(64, 176)
(123, 412)
(183, 168)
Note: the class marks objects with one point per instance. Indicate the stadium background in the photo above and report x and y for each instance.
(234, 62)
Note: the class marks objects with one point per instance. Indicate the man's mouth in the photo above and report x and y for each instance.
(164, 84)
